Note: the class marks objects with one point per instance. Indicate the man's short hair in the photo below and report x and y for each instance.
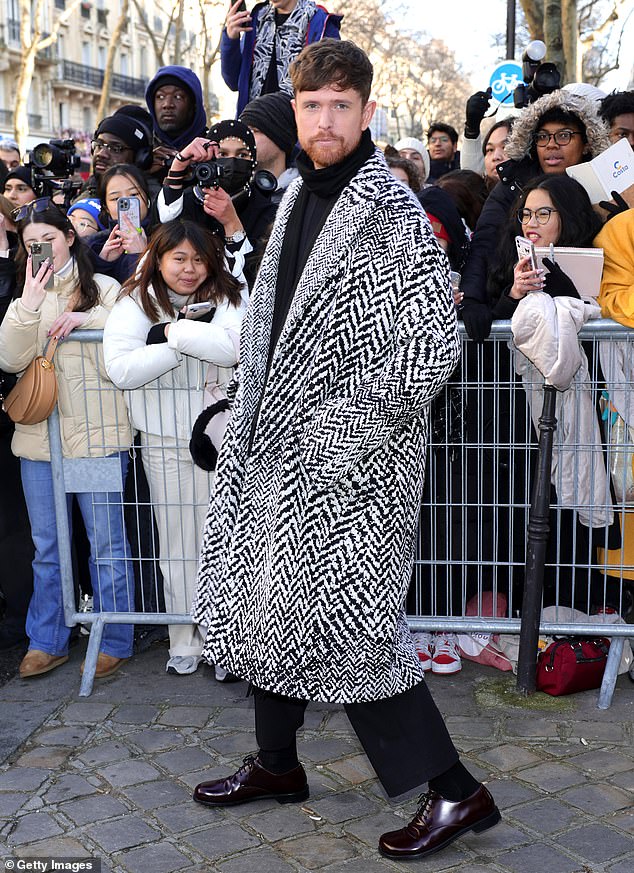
(332, 63)
(616, 103)
(441, 127)
(9, 145)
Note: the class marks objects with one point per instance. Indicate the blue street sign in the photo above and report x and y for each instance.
(504, 80)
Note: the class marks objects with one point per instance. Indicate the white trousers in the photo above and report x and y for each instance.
(179, 491)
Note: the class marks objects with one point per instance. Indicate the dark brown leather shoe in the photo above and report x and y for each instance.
(439, 822)
(253, 782)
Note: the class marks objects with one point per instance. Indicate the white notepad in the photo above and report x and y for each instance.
(583, 266)
(612, 170)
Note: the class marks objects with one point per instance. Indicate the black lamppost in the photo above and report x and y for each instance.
(510, 29)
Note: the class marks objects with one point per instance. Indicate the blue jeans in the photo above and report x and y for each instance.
(112, 579)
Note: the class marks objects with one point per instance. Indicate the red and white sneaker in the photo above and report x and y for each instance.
(446, 655)
(424, 645)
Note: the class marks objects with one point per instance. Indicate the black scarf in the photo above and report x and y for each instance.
(317, 196)
(332, 180)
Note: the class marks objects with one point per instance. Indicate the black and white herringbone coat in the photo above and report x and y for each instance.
(309, 540)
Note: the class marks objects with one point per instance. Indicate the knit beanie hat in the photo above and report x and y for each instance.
(129, 131)
(21, 173)
(90, 205)
(273, 115)
(225, 129)
(410, 142)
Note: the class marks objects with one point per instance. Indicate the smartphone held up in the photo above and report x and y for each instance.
(40, 252)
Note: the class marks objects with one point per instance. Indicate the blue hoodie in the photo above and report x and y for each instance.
(236, 55)
(198, 127)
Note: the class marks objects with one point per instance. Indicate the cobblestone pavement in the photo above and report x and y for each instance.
(110, 776)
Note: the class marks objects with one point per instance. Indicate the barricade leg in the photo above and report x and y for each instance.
(92, 653)
(611, 673)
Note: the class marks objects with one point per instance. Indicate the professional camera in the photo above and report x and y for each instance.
(539, 77)
(53, 164)
(208, 173)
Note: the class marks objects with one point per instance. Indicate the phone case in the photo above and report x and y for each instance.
(526, 249)
(130, 207)
(39, 253)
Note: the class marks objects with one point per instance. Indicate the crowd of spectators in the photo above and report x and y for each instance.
(207, 195)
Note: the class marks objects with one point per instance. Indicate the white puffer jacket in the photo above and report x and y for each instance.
(164, 382)
(93, 417)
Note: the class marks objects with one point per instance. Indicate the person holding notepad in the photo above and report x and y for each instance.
(552, 211)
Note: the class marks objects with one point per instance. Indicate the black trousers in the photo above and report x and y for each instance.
(404, 737)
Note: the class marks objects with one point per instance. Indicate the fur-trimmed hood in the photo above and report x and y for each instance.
(520, 142)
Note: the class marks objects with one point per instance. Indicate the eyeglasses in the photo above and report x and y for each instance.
(435, 140)
(542, 215)
(83, 224)
(561, 137)
(98, 145)
(36, 206)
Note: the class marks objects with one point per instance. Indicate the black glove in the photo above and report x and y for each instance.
(477, 318)
(557, 284)
(614, 208)
(156, 334)
(477, 106)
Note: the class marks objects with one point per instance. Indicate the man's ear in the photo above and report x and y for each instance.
(367, 114)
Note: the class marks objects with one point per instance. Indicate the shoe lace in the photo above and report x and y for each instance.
(248, 762)
(444, 645)
(424, 804)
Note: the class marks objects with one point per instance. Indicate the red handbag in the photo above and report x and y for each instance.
(572, 664)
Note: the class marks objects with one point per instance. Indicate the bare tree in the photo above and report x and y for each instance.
(210, 48)
(32, 43)
(577, 34)
(159, 46)
(115, 39)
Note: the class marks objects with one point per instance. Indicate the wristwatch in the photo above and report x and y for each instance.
(236, 237)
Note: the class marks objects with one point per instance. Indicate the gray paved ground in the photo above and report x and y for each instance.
(110, 776)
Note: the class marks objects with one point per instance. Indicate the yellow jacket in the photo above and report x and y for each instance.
(617, 285)
(93, 417)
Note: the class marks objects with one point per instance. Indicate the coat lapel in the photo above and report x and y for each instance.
(344, 224)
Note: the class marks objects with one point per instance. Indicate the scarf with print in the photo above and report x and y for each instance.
(288, 40)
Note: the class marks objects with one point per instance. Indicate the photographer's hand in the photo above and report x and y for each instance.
(477, 106)
(219, 205)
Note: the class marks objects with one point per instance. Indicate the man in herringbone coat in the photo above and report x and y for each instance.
(309, 540)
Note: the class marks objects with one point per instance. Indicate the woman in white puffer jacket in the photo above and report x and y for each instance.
(164, 354)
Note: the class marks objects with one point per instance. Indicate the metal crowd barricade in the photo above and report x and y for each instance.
(471, 548)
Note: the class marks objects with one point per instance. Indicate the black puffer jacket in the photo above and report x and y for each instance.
(520, 169)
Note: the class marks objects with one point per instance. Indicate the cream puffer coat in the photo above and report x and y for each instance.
(93, 417)
(165, 382)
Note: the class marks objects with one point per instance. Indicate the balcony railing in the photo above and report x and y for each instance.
(92, 77)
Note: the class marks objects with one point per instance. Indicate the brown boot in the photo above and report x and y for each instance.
(106, 665)
(34, 663)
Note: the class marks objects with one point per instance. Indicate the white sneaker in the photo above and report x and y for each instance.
(446, 655)
(183, 664)
(424, 645)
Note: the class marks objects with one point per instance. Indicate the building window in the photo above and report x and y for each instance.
(86, 54)
(102, 17)
(87, 115)
(101, 57)
(60, 4)
(158, 24)
(85, 10)
(143, 61)
(124, 65)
